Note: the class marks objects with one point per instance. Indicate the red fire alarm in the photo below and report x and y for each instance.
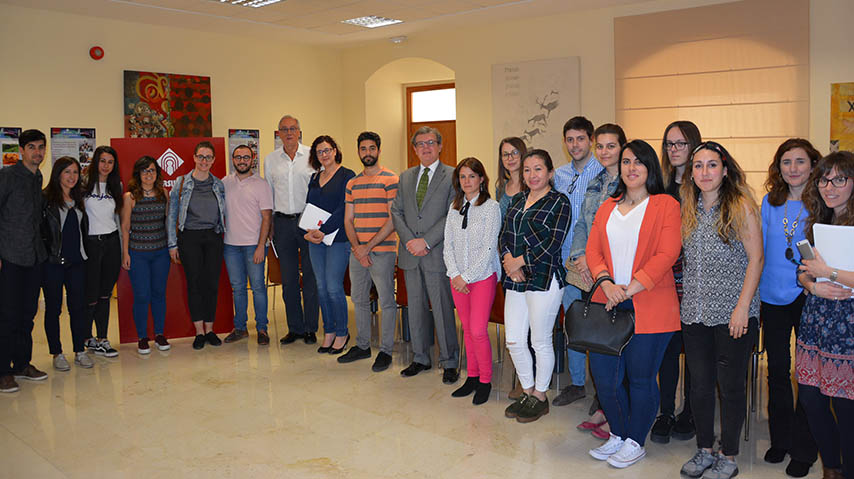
(96, 53)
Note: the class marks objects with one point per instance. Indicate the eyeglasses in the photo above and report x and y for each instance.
(205, 157)
(292, 129)
(148, 171)
(422, 144)
(573, 184)
(324, 151)
(242, 157)
(507, 154)
(679, 145)
(836, 181)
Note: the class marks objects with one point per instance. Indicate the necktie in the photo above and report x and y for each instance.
(422, 187)
(465, 212)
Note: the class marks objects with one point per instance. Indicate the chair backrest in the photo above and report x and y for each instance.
(274, 272)
(497, 313)
(400, 293)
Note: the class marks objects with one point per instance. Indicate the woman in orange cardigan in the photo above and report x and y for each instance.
(635, 240)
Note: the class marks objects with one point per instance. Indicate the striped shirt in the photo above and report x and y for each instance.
(371, 197)
(148, 225)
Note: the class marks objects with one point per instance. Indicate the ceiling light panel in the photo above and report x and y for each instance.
(249, 3)
(371, 21)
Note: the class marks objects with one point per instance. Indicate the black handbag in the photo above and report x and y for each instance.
(589, 327)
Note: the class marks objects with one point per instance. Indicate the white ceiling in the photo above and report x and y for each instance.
(317, 21)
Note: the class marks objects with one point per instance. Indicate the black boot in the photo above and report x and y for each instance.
(481, 393)
(467, 387)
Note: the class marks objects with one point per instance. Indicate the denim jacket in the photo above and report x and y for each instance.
(186, 183)
(598, 190)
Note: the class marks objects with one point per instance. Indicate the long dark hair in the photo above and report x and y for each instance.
(777, 188)
(114, 179)
(692, 136)
(646, 154)
(818, 211)
(503, 173)
(53, 191)
(476, 166)
(135, 183)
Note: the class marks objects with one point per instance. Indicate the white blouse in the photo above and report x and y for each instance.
(473, 252)
(623, 233)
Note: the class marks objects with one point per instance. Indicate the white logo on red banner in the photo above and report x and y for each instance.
(169, 161)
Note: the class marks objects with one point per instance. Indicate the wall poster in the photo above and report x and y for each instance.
(74, 142)
(9, 145)
(533, 99)
(842, 116)
(166, 105)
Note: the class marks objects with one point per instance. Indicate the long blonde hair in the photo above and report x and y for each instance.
(734, 196)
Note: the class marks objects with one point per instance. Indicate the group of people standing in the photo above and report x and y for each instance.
(678, 240)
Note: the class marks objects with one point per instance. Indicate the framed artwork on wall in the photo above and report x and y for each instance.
(165, 105)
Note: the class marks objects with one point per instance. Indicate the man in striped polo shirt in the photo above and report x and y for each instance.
(368, 224)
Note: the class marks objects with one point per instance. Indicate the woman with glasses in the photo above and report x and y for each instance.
(722, 241)
(510, 153)
(64, 226)
(102, 193)
(824, 352)
(144, 252)
(530, 246)
(326, 190)
(679, 140)
(196, 226)
(783, 220)
(471, 258)
(634, 242)
(609, 139)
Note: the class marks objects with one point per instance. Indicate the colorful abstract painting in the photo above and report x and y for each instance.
(163, 105)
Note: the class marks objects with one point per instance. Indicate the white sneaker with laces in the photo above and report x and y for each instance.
(630, 453)
(605, 451)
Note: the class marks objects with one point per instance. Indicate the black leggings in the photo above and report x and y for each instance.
(834, 435)
(201, 255)
(102, 271)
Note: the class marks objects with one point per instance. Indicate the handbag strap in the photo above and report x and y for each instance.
(596, 285)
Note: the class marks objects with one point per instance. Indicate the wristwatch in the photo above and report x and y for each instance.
(834, 275)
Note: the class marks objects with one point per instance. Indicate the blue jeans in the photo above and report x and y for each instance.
(577, 360)
(239, 264)
(148, 273)
(630, 413)
(329, 264)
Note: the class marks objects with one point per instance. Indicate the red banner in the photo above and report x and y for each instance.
(175, 157)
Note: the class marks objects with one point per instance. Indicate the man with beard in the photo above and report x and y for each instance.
(572, 179)
(21, 254)
(249, 202)
(369, 227)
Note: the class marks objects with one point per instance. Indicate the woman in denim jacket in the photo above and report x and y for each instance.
(196, 225)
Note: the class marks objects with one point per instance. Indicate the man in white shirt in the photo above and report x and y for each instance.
(288, 172)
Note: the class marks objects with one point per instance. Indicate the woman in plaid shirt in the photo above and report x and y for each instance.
(530, 245)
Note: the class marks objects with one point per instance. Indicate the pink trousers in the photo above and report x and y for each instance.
(473, 309)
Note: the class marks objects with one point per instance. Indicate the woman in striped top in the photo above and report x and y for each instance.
(144, 254)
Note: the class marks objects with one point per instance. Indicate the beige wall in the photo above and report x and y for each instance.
(50, 80)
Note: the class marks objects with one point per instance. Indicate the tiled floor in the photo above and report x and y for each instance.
(241, 410)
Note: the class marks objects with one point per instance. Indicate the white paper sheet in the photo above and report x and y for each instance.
(313, 217)
(834, 242)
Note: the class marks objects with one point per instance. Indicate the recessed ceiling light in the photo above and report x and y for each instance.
(250, 3)
(371, 21)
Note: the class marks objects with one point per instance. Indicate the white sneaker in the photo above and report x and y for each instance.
(630, 453)
(60, 363)
(605, 451)
(83, 360)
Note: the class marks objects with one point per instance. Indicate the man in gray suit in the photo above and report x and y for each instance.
(418, 212)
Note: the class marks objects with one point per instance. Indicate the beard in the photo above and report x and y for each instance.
(243, 170)
(369, 160)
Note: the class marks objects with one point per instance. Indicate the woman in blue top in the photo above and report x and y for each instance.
(510, 153)
(783, 220)
(326, 190)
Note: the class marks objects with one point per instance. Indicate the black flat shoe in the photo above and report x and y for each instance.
(775, 455)
(450, 376)
(798, 468)
(310, 338)
(341, 349)
(291, 337)
(324, 349)
(199, 342)
(414, 369)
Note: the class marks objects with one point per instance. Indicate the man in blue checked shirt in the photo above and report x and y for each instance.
(572, 179)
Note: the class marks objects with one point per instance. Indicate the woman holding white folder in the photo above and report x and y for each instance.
(326, 191)
(824, 354)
